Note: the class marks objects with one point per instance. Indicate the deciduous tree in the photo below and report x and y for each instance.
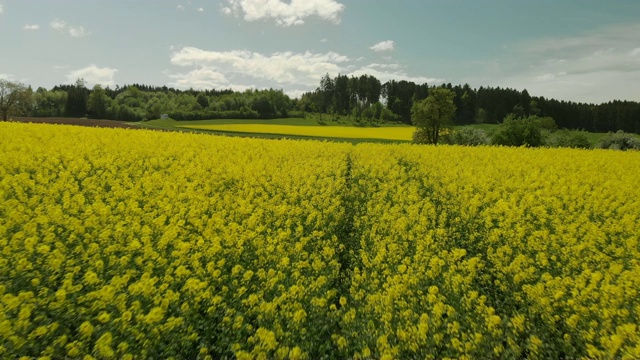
(433, 114)
(13, 97)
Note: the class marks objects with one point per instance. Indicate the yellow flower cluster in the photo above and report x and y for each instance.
(401, 133)
(123, 244)
(494, 252)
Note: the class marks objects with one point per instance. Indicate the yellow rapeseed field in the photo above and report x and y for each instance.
(133, 244)
(404, 133)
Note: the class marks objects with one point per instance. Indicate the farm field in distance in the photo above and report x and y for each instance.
(385, 132)
(347, 132)
(147, 244)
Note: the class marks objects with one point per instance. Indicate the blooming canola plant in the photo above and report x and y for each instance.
(142, 244)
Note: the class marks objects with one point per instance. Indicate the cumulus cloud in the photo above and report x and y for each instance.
(32, 27)
(93, 74)
(202, 78)
(284, 13)
(58, 24)
(77, 31)
(296, 73)
(200, 9)
(1, 9)
(281, 67)
(180, 7)
(74, 31)
(383, 46)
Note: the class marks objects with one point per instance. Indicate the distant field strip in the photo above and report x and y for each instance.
(347, 132)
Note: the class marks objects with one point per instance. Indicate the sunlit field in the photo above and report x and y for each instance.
(346, 132)
(135, 244)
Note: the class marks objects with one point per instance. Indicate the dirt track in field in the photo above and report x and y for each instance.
(76, 121)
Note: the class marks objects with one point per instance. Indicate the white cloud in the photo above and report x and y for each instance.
(77, 31)
(281, 67)
(58, 24)
(8, 77)
(1, 9)
(386, 66)
(200, 78)
(295, 93)
(93, 74)
(635, 52)
(74, 31)
(296, 73)
(386, 72)
(200, 9)
(383, 46)
(32, 27)
(323, 40)
(180, 7)
(285, 13)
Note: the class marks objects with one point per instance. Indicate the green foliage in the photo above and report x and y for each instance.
(433, 114)
(620, 141)
(15, 98)
(49, 103)
(481, 116)
(567, 138)
(544, 123)
(243, 113)
(98, 103)
(467, 136)
(77, 97)
(519, 132)
(421, 136)
(389, 117)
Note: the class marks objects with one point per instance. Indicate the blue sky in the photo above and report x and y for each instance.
(586, 50)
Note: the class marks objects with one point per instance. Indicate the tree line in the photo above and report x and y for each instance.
(139, 102)
(360, 98)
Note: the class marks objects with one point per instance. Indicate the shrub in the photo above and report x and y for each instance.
(519, 132)
(620, 141)
(570, 139)
(420, 136)
(546, 123)
(467, 136)
(388, 116)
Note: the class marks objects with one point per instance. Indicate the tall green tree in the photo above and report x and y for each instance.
(77, 97)
(14, 97)
(433, 114)
(98, 103)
